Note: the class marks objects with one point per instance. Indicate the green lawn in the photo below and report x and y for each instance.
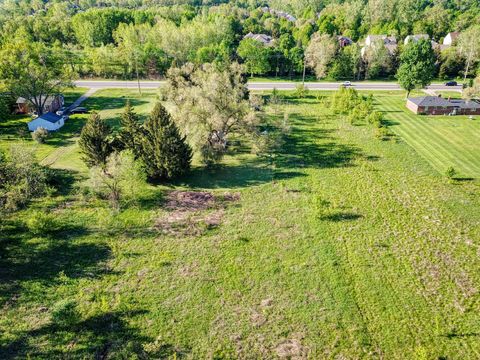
(346, 247)
(443, 141)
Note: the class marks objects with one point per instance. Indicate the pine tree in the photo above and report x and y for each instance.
(129, 136)
(95, 141)
(164, 151)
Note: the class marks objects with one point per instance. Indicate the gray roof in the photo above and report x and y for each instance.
(439, 101)
(429, 101)
(50, 117)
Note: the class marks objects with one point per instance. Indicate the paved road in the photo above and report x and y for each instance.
(108, 84)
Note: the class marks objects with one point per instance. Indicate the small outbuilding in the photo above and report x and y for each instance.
(49, 121)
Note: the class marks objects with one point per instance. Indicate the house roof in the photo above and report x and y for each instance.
(439, 101)
(263, 38)
(50, 117)
(430, 101)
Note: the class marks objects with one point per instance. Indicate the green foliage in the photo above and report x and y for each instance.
(40, 135)
(344, 100)
(417, 67)
(33, 70)
(41, 223)
(165, 152)
(301, 91)
(130, 130)
(450, 172)
(210, 103)
(121, 179)
(21, 178)
(65, 313)
(255, 55)
(95, 141)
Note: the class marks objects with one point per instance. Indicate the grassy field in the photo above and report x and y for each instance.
(345, 247)
(442, 140)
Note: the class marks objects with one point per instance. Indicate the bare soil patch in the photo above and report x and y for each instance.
(191, 213)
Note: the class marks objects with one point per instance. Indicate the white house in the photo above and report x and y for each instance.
(49, 121)
(450, 38)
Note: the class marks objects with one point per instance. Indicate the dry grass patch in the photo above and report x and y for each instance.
(191, 213)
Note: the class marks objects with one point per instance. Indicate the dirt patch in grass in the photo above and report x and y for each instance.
(291, 349)
(191, 213)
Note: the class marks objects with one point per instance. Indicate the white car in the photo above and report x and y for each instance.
(346, 83)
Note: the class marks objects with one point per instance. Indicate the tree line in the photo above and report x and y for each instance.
(97, 39)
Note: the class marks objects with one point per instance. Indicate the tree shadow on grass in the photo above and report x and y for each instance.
(104, 336)
(341, 216)
(99, 102)
(310, 146)
(249, 173)
(26, 257)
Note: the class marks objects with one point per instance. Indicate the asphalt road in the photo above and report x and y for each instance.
(110, 84)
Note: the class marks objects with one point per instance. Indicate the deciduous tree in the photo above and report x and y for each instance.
(417, 67)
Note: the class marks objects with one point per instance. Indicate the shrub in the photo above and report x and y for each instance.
(65, 312)
(301, 91)
(450, 172)
(382, 133)
(40, 223)
(40, 135)
(375, 118)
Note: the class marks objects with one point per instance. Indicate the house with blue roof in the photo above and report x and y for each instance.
(49, 121)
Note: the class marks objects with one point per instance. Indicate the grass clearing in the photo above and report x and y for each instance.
(345, 247)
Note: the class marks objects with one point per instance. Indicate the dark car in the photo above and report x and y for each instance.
(451, 83)
(79, 110)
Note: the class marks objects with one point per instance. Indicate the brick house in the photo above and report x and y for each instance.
(436, 105)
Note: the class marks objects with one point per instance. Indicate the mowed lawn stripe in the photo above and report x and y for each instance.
(468, 159)
(438, 140)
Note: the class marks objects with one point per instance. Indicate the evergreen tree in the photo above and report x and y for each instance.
(95, 141)
(164, 151)
(129, 136)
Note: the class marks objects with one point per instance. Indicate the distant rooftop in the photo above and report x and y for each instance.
(440, 101)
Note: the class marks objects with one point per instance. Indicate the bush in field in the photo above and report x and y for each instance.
(382, 133)
(21, 178)
(301, 91)
(450, 172)
(120, 179)
(375, 118)
(40, 223)
(344, 100)
(40, 135)
(65, 313)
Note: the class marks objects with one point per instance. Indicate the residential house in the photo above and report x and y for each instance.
(344, 41)
(436, 105)
(278, 13)
(390, 43)
(52, 103)
(450, 39)
(264, 39)
(415, 38)
(49, 121)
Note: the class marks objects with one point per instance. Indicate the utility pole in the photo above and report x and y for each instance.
(304, 64)
(136, 71)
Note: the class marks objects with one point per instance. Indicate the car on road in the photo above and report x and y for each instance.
(79, 110)
(451, 83)
(346, 84)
